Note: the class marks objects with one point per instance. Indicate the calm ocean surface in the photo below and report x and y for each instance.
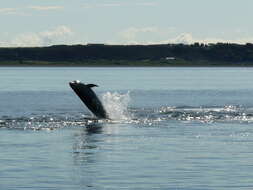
(171, 128)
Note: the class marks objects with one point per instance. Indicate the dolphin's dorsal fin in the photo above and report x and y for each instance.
(91, 85)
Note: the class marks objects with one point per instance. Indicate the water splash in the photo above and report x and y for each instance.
(116, 105)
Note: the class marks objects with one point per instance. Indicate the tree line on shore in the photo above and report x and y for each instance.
(220, 52)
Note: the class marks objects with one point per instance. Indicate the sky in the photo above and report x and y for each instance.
(51, 22)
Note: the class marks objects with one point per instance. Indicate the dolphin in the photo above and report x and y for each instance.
(89, 98)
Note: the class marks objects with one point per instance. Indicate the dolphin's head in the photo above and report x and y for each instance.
(78, 84)
(75, 84)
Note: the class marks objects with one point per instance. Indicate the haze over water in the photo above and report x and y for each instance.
(172, 128)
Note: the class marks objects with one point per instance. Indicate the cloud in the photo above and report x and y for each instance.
(58, 35)
(29, 40)
(144, 34)
(187, 38)
(58, 31)
(8, 10)
(24, 10)
(121, 4)
(155, 35)
(45, 8)
(184, 38)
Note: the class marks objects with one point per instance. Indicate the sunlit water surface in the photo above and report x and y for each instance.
(170, 128)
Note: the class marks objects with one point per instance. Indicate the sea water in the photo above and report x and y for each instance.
(170, 128)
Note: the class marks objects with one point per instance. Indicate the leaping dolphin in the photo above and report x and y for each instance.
(89, 98)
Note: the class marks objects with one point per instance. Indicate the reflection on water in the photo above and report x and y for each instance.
(91, 139)
(94, 129)
(85, 144)
(86, 154)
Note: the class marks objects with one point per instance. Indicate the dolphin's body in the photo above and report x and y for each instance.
(89, 98)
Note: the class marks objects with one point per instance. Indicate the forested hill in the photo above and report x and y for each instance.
(220, 52)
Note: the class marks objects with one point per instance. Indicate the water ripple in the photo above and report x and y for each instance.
(146, 117)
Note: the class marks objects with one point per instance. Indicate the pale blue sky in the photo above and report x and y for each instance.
(48, 22)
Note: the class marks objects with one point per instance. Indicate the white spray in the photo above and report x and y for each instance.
(116, 105)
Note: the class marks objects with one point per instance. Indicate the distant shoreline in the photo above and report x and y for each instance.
(157, 55)
(59, 66)
(123, 63)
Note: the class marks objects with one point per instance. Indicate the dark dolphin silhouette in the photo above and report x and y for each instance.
(89, 98)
